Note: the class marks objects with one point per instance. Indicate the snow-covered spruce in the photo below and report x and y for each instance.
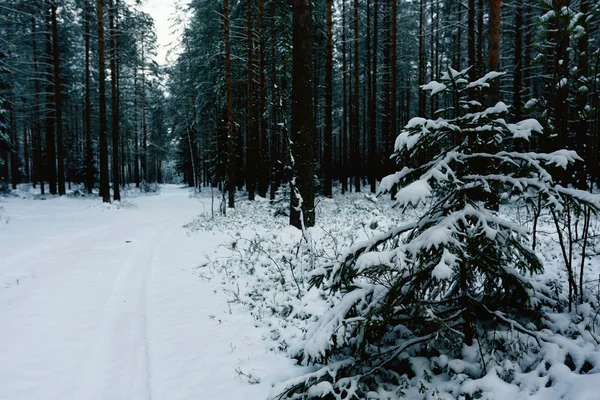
(446, 305)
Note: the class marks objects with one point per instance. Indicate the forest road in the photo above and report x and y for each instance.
(80, 286)
(102, 302)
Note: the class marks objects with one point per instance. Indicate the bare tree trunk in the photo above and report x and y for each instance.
(328, 137)
(263, 153)
(422, 98)
(494, 47)
(251, 131)
(58, 102)
(89, 153)
(144, 158)
(518, 67)
(373, 159)
(104, 187)
(344, 156)
(231, 164)
(114, 100)
(38, 164)
(355, 106)
(302, 213)
(50, 113)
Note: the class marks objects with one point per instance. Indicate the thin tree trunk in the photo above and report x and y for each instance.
(422, 98)
(328, 145)
(373, 159)
(251, 129)
(103, 137)
(144, 158)
(344, 156)
(518, 67)
(263, 176)
(50, 113)
(471, 36)
(89, 153)
(37, 153)
(231, 164)
(114, 101)
(355, 105)
(58, 102)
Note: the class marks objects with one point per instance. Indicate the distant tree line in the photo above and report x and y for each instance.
(82, 98)
(231, 87)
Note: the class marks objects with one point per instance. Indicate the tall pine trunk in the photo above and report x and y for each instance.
(103, 137)
(114, 100)
(302, 196)
(231, 162)
(328, 137)
(51, 112)
(89, 153)
(373, 159)
(60, 158)
(355, 106)
(251, 129)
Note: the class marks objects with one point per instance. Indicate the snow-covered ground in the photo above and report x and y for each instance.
(101, 302)
(157, 298)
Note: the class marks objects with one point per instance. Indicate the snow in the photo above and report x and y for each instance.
(100, 302)
(413, 193)
(434, 87)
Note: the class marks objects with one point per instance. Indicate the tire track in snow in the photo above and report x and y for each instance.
(120, 354)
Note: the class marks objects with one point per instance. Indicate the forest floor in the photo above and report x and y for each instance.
(100, 302)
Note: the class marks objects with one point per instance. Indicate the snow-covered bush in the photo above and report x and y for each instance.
(149, 187)
(449, 305)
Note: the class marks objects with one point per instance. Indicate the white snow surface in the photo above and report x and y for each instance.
(100, 302)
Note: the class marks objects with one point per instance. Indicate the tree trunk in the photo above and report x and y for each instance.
(103, 137)
(251, 129)
(422, 98)
(518, 67)
(494, 48)
(231, 164)
(89, 153)
(144, 158)
(50, 113)
(471, 36)
(344, 155)
(58, 102)
(136, 141)
(114, 101)
(355, 105)
(263, 153)
(38, 164)
(582, 98)
(302, 196)
(328, 137)
(373, 159)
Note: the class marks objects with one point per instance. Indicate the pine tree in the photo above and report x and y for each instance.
(454, 278)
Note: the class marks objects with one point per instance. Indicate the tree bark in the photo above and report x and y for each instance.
(302, 202)
(518, 67)
(344, 141)
(231, 164)
(355, 105)
(263, 142)
(103, 137)
(89, 153)
(251, 128)
(373, 159)
(114, 101)
(50, 113)
(60, 158)
(328, 137)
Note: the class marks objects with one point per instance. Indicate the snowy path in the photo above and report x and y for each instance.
(100, 303)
